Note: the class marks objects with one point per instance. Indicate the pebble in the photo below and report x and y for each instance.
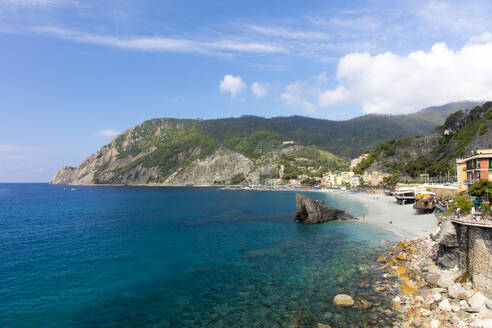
(437, 297)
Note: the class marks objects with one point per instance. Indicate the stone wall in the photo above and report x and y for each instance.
(480, 258)
(470, 249)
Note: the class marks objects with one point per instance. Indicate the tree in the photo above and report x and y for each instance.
(479, 189)
(309, 182)
(391, 181)
(464, 204)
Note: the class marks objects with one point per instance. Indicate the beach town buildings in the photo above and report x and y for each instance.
(355, 180)
(357, 160)
(473, 168)
(371, 178)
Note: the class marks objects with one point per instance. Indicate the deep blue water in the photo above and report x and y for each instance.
(175, 257)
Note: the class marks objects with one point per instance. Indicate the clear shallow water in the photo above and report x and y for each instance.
(175, 257)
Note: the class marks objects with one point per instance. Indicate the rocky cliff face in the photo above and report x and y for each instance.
(180, 152)
(221, 167)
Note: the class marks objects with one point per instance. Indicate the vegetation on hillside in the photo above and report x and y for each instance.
(460, 133)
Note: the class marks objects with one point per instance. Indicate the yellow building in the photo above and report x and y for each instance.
(461, 174)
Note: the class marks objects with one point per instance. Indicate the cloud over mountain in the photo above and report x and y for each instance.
(390, 83)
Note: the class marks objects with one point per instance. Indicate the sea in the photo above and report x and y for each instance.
(181, 257)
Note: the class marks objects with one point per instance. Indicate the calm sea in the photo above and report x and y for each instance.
(177, 257)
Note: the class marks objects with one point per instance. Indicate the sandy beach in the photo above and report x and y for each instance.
(383, 209)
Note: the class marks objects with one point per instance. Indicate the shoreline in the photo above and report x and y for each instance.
(382, 209)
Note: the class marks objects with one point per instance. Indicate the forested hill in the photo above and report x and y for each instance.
(343, 138)
(249, 148)
(461, 133)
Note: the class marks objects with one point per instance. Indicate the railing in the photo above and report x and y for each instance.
(471, 181)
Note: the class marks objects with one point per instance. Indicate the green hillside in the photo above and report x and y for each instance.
(187, 151)
(461, 133)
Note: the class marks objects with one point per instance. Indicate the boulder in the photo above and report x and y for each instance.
(445, 306)
(322, 325)
(456, 290)
(311, 211)
(435, 323)
(446, 234)
(343, 300)
(477, 301)
(363, 304)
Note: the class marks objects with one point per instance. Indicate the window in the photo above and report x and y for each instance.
(490, 163)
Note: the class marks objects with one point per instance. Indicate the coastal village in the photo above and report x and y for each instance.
(443, 279)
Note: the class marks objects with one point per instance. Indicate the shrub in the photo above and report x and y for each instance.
(485, 208)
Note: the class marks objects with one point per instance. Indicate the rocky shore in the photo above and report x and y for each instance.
(430, 296)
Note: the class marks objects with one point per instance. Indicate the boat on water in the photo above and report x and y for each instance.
(405, 197)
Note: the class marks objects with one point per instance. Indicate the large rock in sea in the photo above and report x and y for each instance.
(311, 211)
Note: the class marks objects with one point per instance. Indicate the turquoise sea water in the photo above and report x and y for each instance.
(177, 257)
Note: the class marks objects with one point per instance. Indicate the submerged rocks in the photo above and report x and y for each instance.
(343, 300)
(311, 211)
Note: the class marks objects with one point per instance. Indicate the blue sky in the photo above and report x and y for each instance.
(73, 73)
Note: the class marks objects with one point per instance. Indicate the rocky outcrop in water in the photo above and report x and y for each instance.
(311, 211)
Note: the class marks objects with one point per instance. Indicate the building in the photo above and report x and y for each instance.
(355, 180)
(377, 179)
(373, 178)
(461, 174)
(357, 160)
(290, 142)
(477, 166)
(346, 177)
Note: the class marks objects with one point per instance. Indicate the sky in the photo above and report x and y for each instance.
(75, 73)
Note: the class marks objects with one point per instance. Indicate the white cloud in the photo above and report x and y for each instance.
(232, 85)
(389, 83)
(260, 89)
(484, 37)
(330, 97)
(296, 95)
(107, 133)
(161, 43)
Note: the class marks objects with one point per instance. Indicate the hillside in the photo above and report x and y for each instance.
(462, 132)
(248, 149)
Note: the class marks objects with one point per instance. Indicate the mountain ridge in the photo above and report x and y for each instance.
(161, 151)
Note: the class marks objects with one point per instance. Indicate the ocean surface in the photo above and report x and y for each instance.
(178, 257)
